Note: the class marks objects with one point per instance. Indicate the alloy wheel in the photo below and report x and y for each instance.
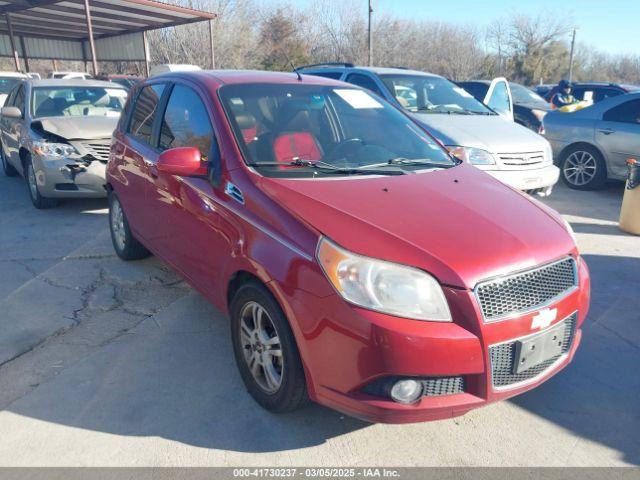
(117, 224)
(33, 184)
(580, 168)
(261, 347)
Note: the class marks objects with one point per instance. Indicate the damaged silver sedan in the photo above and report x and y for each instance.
(57, 134)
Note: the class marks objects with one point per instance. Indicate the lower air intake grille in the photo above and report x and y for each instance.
(503, 357)
(432, 386)
(437, 386)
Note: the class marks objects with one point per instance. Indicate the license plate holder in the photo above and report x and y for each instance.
(538, 349)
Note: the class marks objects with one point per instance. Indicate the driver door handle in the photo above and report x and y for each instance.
(606, 131)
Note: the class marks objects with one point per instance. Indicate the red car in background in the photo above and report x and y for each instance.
(362, 267)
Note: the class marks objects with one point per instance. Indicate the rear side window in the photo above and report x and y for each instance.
(186, 122)
(364, 82)
(144, 112)
(627, 112)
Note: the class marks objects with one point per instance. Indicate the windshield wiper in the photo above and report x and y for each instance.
(328, 168)
(401, 161)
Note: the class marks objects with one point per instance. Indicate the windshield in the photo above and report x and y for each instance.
(522, 94)
(77, 101)
(7, 83)
(308, 130)
(427, 94)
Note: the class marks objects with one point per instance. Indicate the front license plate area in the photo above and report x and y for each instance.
(538, 349)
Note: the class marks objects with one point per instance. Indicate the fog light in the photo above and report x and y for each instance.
(406, 391)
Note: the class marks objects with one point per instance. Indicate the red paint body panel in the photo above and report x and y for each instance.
(459, 224)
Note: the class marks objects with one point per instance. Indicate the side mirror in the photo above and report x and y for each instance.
(183, 161)
(11, 112)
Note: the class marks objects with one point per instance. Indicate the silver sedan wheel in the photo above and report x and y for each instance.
(580, 168)
(261, 347)
(117, 224)
(33, 184)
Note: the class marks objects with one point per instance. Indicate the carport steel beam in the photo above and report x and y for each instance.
(91, 20)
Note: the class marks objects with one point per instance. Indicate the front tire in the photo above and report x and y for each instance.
(127, 247)
(38, 200)
(583, 168)
(265, 350)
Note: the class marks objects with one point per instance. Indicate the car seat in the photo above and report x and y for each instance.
(295, 140)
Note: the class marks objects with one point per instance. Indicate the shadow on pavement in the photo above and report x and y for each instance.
(598, 396)
(174, 377)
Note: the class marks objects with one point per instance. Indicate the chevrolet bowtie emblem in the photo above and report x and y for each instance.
(544, 318)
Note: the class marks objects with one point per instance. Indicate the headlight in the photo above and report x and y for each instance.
(474, 156)
(383, 286)
(56, 150)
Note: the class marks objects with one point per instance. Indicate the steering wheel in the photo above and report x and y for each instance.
(345, 148)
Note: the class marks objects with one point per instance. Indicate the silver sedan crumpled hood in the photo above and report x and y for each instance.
(79, 128)
(488, 132)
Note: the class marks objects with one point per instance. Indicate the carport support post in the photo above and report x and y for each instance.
(91, 43)
(12, 40)
(213, 55)
(24, 54)
(145, 46)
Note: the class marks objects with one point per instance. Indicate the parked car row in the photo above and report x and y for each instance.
(365, 259)
(470, 130)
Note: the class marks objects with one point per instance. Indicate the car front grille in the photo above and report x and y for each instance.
(522, 159)
(502, 358)
(526, 291)
(98, 149)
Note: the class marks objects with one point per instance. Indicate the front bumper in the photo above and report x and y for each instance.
(67, 178)
(534, 179)
(345, 348)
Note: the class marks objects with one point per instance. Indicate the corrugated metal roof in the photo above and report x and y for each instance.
(57, 29)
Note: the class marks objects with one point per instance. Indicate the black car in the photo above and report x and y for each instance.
(529, 108)
(595, 91)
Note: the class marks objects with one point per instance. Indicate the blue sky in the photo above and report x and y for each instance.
(611, 25)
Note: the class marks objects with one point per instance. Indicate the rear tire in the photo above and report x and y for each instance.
(262, 338)
(127, 247)
(9, 170)
(38, 200)
(582, 167)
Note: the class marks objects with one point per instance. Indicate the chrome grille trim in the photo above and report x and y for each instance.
(99, 149)
(502, 354)
(525, 291)
(520, 159)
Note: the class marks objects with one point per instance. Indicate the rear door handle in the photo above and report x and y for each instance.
(607, 131)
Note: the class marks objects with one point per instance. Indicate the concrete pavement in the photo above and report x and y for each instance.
(106, 363)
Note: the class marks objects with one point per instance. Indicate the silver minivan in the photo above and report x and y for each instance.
(485, 137)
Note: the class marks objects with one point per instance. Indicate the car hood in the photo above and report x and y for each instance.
(488, 132)
(79, 128)
(459, 224)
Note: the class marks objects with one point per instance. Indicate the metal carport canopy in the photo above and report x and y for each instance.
(73, 29)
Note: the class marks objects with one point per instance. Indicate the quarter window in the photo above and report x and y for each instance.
(627, 112)
(364, 82)
(144, 112)
(186, 122)
(18, 101)
(499, 100)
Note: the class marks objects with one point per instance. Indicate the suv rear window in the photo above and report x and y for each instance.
(144, 112)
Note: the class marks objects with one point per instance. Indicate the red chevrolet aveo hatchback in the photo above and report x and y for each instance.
(361, 266)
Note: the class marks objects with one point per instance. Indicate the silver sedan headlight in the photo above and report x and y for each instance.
(54, 150)
(383, 286)
(475, 156)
